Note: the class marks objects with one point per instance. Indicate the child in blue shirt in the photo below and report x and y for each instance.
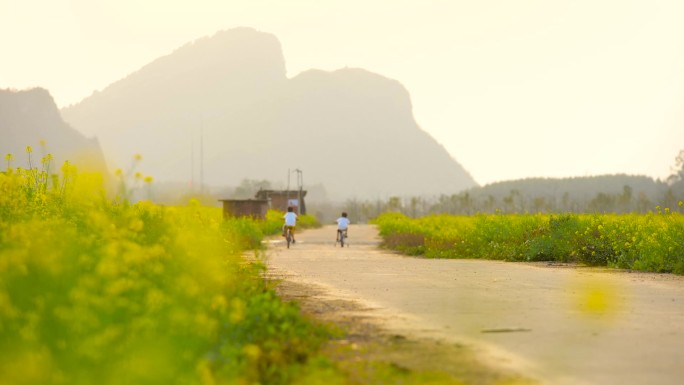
(342, 225)
(290, 222)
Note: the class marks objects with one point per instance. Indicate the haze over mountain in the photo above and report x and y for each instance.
(31, 118)
(228, 96)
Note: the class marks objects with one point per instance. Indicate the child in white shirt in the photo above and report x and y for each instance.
(290, 222)
(342, 225)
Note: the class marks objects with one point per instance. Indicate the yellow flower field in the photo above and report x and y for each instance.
(653, 242)
(96, 290)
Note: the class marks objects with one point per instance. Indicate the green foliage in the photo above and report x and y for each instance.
(242, 233)
(554, 240)
(651, 242)
(307, 221)
(249, 187)
(95, 291)
(273, 223)
(401, 234)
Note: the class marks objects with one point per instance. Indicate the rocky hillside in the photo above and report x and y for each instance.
(351, 130)
(31, 118)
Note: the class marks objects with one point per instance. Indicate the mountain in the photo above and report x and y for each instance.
(31, 118)
(228, 98)
(578, 188)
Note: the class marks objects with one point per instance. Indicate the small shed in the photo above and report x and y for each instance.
(282, 199)
(255, 208)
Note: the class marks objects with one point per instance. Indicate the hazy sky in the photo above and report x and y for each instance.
(512, 89)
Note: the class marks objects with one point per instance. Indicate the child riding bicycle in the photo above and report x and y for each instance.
(290, 222)
(342, 225)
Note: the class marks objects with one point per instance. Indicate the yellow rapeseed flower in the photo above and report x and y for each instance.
(252, 351)
(219, 303)
(137, 225)
(238, 310)
(154, 299)
(66, 167)
(29, 149)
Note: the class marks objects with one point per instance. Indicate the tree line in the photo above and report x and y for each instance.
(618, 193)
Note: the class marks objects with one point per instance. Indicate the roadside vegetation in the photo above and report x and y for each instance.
(652, 242)
(98, 290)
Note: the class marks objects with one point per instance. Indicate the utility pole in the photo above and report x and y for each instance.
(288, 179)
(287, 190)
(201, 155)
(192, 163)
(300, 184)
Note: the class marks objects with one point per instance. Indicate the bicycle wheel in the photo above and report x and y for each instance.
(288, 238)
(342, 239)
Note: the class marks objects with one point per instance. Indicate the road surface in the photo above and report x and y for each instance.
(557, 324)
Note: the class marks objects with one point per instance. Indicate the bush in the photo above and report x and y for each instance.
(555, 240)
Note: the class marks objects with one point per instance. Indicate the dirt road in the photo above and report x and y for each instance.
(557, 324)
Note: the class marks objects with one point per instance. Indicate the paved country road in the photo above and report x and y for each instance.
(557, 324)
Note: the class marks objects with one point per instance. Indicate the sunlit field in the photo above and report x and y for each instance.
(96, 290)
(653, 242)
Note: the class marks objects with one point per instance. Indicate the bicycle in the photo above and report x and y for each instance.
(341, 238)
(288, 236)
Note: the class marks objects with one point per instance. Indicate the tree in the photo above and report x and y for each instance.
(489, 203)
(678, 169)
(602, 203)
(465, 203)
(249, 187)
(669, 199)
(643, 203)
(539, 204)
(625, 200)
(394, 204)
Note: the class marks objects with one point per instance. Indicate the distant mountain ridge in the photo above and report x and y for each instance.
(619, 193)
(31, 118)
(351, 130)
(582, 187)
